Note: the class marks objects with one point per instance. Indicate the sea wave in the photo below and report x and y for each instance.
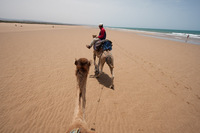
(185, 35)
(175, 35)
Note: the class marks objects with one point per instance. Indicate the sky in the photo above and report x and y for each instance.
(160, 14)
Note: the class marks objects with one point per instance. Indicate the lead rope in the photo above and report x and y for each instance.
(97, 109)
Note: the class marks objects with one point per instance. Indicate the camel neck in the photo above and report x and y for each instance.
(81, 80)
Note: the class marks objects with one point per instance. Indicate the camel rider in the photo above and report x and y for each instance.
(102, 36)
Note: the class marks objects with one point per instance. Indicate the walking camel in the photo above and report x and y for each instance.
(104, 56)
(79, 124)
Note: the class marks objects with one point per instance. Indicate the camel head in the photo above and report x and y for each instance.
(82, 66)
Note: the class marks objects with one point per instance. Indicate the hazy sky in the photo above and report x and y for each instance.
(168, 14)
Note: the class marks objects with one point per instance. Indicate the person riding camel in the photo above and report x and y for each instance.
(102, 36)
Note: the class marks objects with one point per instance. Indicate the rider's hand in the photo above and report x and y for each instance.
(88, 46)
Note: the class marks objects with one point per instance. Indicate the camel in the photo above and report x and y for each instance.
(104, 56)
(79, 124)
(82, 69)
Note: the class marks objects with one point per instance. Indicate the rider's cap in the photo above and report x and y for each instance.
(100, 24)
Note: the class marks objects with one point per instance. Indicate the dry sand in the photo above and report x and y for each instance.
(157, 82)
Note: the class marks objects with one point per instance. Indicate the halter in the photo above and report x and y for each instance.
(76, 130)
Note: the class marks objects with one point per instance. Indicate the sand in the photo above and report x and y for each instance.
(157, 82)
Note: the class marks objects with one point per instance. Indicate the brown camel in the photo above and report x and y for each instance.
(82, 69)
(104, 56)
(79, 124)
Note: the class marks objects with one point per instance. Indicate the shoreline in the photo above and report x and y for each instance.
(182, 37)
(175, 38)
(179, 37)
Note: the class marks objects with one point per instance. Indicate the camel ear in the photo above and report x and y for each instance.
(76, 62)
(89, 64)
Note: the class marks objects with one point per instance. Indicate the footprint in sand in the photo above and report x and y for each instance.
(188, 102)
(188, 88)
(198, 97)
(140, 130)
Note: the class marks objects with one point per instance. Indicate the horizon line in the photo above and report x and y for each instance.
(6, 20)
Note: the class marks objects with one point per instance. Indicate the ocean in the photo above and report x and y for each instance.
(169, 34)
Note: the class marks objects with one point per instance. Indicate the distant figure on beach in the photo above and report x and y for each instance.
(102, 36)
(187, 38)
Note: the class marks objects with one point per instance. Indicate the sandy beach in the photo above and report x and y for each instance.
(157, 82)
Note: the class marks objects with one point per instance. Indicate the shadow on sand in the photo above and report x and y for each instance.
(104, 79)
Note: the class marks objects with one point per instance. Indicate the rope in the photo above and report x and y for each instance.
(76, 130)
(98, 105)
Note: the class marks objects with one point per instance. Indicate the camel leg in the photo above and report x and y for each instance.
(96, 70)
(102, 64)
(111, 70)
(94, 57)
(111, 66)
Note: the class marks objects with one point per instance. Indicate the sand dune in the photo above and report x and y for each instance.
(156, 82)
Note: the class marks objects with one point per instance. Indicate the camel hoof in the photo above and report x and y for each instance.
(112, 87)
(96, 73)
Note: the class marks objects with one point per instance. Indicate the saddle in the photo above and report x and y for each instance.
(103, 44)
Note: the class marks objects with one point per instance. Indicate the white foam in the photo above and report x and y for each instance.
(194, 36)
(185, 35)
